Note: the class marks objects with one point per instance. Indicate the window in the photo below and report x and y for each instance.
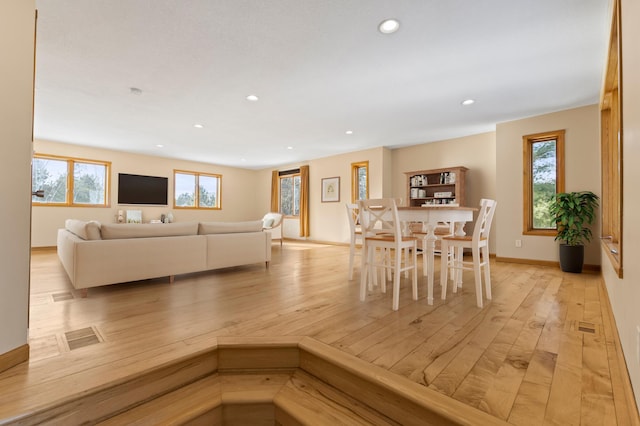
(543, 179)
(70, 182)
(290, 192)
(611, 155)
(193, 190)
(359, 181)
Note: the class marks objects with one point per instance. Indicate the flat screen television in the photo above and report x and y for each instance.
(138, 189)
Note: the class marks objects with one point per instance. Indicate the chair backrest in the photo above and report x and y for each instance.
(353, 212)
(485, 217)
(275, 220)
(379, 214)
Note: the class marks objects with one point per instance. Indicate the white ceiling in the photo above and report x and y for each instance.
(320, 68)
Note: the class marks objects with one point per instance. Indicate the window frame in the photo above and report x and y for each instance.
(286, 175)
(528, 142)
(197, 175)
(611, 151)
(355, 181)
(70, 182)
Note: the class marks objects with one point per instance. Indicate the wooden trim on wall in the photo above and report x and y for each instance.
(620, 380)
(355, 184)
(14, 357)
(527, 177)
(586, 267)
(611, 155)
(44, 249)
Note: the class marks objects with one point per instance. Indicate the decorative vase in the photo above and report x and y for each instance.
(571, 258)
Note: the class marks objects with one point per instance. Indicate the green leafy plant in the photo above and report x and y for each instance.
(572, 213)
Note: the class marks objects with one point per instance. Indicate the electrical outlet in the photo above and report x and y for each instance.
(518, 243)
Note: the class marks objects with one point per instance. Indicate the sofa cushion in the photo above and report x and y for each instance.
(229, 227)
(87, 230)
(268, 222)
(114, 231)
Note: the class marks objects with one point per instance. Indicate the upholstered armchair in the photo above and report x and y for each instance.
(272, 222)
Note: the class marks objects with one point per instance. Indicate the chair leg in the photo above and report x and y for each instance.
(487, 271)
(352, 253)
(385, 270)
(444, 268)
(477, 275)
(457, 269)
(457, 280)
(415, 274)
(373, 273)
(364, 272)
(396, 281)
(406, 262)
(387, 261)
(425, 267)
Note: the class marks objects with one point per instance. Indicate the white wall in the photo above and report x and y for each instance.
(625, 293)
(582, 173)
(329, 220)
(240, 189)
(476, 152)
(17, 26)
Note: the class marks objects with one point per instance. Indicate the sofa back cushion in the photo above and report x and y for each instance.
(114, 231)
(229, 227)
(87, 230)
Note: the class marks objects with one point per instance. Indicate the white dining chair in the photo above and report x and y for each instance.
(355, 237)
(378, 215)
(478, 243)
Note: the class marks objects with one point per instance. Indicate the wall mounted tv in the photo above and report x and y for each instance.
(138, 189)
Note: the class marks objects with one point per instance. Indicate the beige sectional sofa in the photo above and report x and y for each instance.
(95, 254)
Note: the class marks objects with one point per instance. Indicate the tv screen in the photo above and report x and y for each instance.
(137, 189)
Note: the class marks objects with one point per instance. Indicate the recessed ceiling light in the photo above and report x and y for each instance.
(289, 147)
(349, 132)
(468, 102)
(159, 145)
(389, 26)
(252, 98)
(198, 126)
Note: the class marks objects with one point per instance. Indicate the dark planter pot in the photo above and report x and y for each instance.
(571, 258)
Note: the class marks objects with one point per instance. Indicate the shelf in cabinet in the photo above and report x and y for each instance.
(431, 185)
(434, 198)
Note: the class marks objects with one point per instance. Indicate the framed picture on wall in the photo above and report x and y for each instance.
(331, 190)
(134, 216)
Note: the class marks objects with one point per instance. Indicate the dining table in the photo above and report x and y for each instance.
(430, 217)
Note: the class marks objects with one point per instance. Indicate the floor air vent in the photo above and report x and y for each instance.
(586, 327)
(57, 297)
(81, 338)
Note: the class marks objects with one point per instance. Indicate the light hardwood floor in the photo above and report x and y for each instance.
(543, 351)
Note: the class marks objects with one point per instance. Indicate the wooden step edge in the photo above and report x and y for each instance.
(209, 398)
(304, 399)
(395, 396)
(179, 406)
(255, 353)
(109, 398)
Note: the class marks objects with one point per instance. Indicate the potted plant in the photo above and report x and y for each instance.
(572, 213)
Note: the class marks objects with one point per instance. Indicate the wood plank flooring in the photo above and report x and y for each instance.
(528, 357)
